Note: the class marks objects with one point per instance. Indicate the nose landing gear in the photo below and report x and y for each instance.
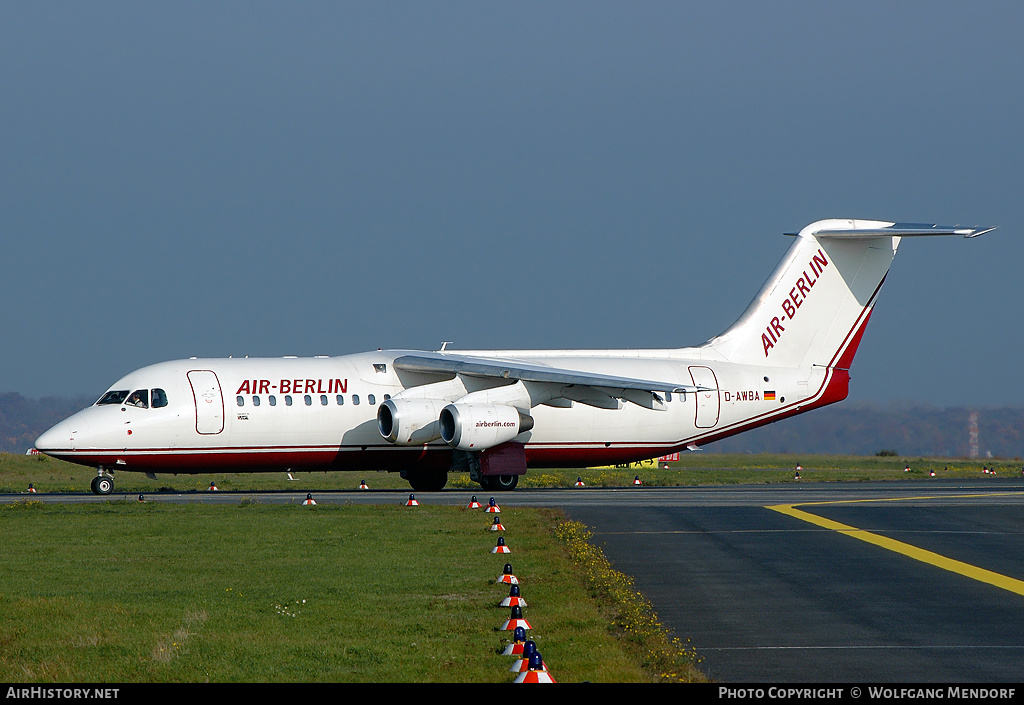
(103, 483)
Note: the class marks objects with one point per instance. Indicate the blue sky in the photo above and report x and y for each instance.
(232, 178)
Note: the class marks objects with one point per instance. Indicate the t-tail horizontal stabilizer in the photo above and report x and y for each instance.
(814, 307)
(902, 230)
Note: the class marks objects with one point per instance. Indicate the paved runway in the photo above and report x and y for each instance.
(884, 582)
(766, 597)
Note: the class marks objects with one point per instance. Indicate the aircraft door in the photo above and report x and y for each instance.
(708, 403)
(209, 401)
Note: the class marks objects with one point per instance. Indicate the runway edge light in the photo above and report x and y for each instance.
(506, 577)
(537, 673)
(523, 663)
(515, 620)
(513, 599)
(518, 639)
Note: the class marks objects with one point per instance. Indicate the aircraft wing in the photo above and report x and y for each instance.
(437, 363)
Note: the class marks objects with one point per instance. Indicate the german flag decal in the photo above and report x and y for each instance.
(769, 395)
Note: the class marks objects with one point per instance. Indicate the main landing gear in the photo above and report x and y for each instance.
(103, 483)
(499, 483)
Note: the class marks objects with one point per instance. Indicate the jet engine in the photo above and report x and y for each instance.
(481, 426)
(409, 421)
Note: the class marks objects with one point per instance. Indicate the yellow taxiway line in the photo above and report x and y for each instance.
(919, 554)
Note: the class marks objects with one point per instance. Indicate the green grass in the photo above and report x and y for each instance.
(144, 592)
(130, 592)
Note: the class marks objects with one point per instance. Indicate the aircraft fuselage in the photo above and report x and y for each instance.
(298, 414)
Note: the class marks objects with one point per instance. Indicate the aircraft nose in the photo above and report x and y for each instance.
(60, 437)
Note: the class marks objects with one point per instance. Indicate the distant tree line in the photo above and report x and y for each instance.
(22, 420)
(843, 429)
(906, 430)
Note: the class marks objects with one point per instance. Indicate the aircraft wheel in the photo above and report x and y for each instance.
(500, 483)
(428, 480)
(102, 485)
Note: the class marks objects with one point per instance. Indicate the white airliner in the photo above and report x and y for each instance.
(495, 413)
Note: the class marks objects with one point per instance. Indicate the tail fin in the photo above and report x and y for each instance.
(815, 305)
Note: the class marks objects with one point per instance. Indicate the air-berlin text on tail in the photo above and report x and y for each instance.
(801, 289)
(294, 386)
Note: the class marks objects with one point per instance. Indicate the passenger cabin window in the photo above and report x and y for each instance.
(308, 399)
(287, 399)
(255, 401)
(113, 398)
(355, 399)
(272, 399)
(341, 400)
(240, 400)
(323, 400)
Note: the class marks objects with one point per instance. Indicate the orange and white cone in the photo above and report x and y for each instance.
(579, 482)
(516, 647)
(636, 480)
(309, 501)
(473, 504)
(492, 508)
(412, 501)
(536, 673)
(363, 485)
(515, 620)
(513, 599)
(501, 547)
(507, 578)
(497, 525)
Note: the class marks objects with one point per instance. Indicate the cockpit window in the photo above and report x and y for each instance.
(113, 398)
(159, 398)
(139, 398)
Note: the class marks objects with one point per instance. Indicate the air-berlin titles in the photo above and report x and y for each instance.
(802, 287)
(294, 386)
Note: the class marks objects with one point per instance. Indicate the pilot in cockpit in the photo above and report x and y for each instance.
(139, 398)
